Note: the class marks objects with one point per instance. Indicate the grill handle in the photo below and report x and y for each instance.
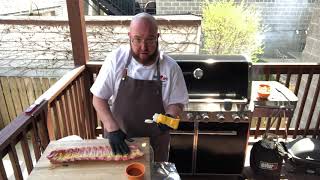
(219, 133)
(182, 133)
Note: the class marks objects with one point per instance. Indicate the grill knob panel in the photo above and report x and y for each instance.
(198, 73)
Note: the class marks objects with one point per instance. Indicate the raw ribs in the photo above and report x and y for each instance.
(91, 153)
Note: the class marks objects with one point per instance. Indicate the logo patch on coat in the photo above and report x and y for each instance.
(163, 78)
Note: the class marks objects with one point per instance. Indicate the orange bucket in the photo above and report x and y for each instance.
(135, 171)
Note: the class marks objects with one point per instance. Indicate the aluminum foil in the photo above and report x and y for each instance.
(164, 171)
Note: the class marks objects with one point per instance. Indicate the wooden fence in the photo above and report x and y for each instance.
(18, 93)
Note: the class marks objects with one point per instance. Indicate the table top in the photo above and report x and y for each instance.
(88, 169)
(281, 100)
(280, 95)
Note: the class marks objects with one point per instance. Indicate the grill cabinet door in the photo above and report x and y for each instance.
(181, 147)
(221, 148)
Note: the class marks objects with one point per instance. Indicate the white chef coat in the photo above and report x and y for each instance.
(107, 83)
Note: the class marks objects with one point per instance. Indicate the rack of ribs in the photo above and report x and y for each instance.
(91, 153)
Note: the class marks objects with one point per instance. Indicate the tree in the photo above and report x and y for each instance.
(231, 28)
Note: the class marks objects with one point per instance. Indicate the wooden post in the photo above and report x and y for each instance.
(81, 57)
(78, 32)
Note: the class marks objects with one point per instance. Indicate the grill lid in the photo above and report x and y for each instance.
(216, 77)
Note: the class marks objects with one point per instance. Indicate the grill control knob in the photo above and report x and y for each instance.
(198, 117)
(245, 117)
(236, 117)
(190, 116)
(205, 116)
(220, 117)
(198, 73)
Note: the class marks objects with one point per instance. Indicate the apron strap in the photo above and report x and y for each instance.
(125, 70)
(158, 69)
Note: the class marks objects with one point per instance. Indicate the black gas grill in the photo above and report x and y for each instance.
(212, 137)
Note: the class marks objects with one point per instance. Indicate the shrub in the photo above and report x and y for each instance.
(231, 28)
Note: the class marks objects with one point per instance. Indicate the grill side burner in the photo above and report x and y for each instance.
(213, 134)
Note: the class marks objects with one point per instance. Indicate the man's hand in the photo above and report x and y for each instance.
(117, 143)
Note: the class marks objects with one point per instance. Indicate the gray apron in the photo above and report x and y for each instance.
(136, 101)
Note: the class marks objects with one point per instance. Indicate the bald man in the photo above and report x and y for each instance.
(141, 81)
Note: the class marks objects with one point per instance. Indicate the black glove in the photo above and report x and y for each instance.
(164, 127)
(116, 141)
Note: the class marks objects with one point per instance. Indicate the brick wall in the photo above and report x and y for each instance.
(311, 53)
(179, 6)
(312, 49)
(287, 20)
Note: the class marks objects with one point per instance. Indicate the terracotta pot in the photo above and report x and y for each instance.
(135, 171)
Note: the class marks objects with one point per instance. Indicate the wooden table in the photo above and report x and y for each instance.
(281, 98)
(88, 169)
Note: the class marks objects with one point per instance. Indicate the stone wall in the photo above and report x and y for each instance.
(287, 20)
(44, 43)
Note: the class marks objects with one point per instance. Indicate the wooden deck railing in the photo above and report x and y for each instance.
(68, 110)
(303, 79)
(64, 109)
(33, 125)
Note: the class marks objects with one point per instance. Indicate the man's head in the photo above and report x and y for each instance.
(143, 36)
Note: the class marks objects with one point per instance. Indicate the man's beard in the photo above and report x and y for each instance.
(152, 58)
